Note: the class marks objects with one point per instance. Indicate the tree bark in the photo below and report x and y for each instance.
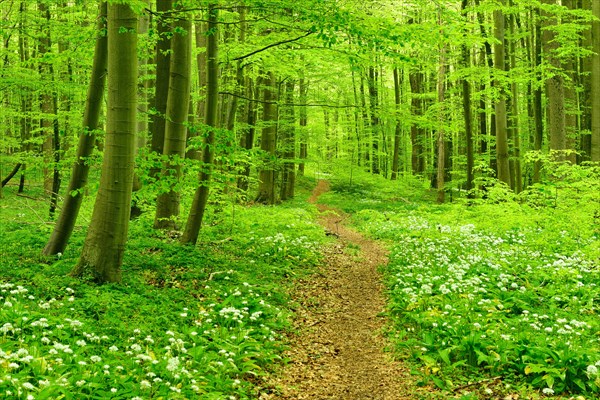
(167, 202)
(374, 112)
(303, 122)
(398, 126)
(500, 107)
(266, 186)
(66, 221)
(467, 110)
(515, 173)
(555, 87)
(441, 146)
(102, 254)
(595, 145)
(288, 121)
(163, 64)
(194, 221)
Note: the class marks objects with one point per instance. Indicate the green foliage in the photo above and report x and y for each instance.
(200, 322)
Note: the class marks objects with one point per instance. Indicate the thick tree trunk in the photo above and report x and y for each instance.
(194, 221)
(102, 253)
(66, 221)
(167, 202)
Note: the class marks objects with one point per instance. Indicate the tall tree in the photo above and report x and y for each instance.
(595, 92)
(163, 63)
(266, 189)
(398, 125)
(66, 221)
(167, 203)
(194, 221)
(467, 108)
(288, 142)
(555, 84)
(102, 254)
(500, 107)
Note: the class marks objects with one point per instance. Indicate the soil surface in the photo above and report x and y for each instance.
(338, 351)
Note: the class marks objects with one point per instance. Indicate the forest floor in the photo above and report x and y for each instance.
(338, 349)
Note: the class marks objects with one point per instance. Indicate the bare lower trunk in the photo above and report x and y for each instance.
(66, 221)
(104, 246)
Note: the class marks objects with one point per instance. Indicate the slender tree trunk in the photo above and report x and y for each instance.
(289, 146)
(247, 140)
(416, 133)
(102, 253)
(441, 146)
(49, 119)
(516, 174)
(500, 108)
(194, 221)
(374, 111)
(163, 63)
(570, 99)
(398, 127)
(555, 87)
(595, 92)
(467, 109)
(66, 221)
(167, 202)
(303, 121)
(268, 144)
(537, 101)
(585, 98)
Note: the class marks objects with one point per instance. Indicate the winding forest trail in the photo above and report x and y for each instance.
(338, 352)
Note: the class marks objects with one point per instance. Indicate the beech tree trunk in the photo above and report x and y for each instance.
(66, 221)
(102, 254)
(266, 186)
(161, 94)
(303, 121)
(288, 121)
(468, 115)
(167, 202)
(194, 221)
(555, 87)
(398, 127)
(500, 107)
(595, 147)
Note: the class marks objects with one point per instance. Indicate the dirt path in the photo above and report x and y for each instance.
(338, 352)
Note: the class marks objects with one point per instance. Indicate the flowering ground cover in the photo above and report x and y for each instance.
(490, 298)
(201, 323)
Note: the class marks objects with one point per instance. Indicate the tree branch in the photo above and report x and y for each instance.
(272, 45)
(291, 104)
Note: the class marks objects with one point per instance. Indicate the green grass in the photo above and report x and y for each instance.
(201, 322)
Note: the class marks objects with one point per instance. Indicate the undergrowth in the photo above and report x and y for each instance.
(202, 322)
